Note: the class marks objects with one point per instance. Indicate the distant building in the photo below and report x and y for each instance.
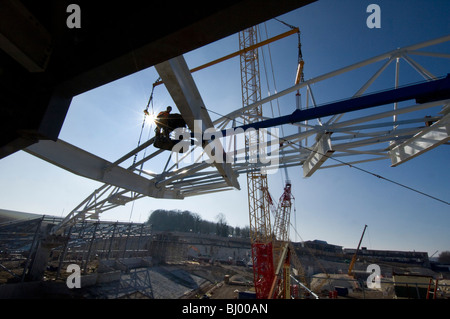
(318, 245)
(392, 256)
(323, 246)
(338, 253)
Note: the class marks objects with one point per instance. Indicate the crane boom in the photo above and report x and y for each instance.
(352, 263)
(259, 213)
(269, 245)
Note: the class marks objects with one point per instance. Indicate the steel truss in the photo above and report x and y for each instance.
(85, 242)
(89, 240)
(376, 134)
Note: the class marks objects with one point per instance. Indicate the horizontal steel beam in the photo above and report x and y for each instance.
(423, 93)
(83, 163)
(387, 55)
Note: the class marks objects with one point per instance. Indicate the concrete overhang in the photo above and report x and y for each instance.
(44, 63)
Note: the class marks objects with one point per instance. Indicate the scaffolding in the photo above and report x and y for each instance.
(84, 243)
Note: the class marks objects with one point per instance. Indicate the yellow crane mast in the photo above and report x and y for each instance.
(259, 213)
(269, 282)
(352, 262)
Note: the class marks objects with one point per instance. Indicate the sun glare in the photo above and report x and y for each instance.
(150, 118)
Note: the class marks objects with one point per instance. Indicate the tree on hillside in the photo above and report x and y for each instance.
(186, 221)
(173, 220)
(245, 232)
(183, 221)
(197, 223)
(222, 226)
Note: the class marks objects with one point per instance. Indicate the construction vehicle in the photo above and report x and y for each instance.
(352, 262)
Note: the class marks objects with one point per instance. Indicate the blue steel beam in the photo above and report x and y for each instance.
(422, 93)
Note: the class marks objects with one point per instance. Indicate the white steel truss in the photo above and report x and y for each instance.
(376, 134)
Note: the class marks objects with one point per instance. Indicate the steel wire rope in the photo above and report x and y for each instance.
(300, 59)
(150, 101)
(275, 88)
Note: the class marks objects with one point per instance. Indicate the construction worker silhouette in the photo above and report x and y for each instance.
(162, 123)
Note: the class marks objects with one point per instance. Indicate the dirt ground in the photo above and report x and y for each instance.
(230, 280)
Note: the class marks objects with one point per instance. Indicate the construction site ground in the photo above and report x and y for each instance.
(229, 281)
(177, 280)
(193, 266)
(200, 280)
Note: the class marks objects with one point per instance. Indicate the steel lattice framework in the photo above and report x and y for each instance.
(327, 142)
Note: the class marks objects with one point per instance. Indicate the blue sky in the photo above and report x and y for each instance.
(332, 205)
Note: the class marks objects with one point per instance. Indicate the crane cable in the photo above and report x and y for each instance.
(150, 101)
(300, 61)
(275, 88)
(300, 54)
